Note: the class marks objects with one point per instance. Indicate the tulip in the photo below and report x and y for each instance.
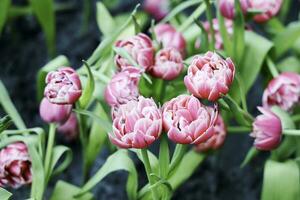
(54, 113)
(227, 7)
(63, 86)
(123, 87)
(283, 91)
(209, 76)
(168, 64)
(269, 9)
(267, 130)
(170, 37)
(187, 121)
(69, 129)
(137, 124)
(218, 138)
(140, 48)
(15, 166)
(157, 8)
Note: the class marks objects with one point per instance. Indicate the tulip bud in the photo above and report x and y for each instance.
(170, 37)
(209, 76)
(63, 86)
(15, 166)
(267, 130)
(218, 138)
(140, 48)
(70, 128)
(123, 87)
(227, 7)
(54, 113)
(137, 124)
(283, 91)
(187, 121)
(168, 64)
(269, 9)
(157, 8)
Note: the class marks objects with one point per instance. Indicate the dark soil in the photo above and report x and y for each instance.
(23, 52)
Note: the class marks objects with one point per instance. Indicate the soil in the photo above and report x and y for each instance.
(23, 52)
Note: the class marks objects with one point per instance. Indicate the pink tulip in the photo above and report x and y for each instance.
(137, 124)
(283, 91)
(217, 140)
(63, 86)
(54, 113)
(267, 130)
(69, 129)
(269, 9)
(187, 121)
(123, 87)
(140, 48)
(15, 165)
(157, 8)
(227, 7)
(209, 76)
(170, 37)
(168, 64)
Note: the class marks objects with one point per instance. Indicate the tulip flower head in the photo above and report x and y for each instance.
(136, 124)
(227, 7)
(168, 64)
(15, 166)
(267, 130)
(283, 91)
(140, 48)
(187, 121)
(157, 8)
(63, 86)
(209, 76)
(69, 129)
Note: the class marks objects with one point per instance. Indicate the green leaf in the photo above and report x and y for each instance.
(5, 122)
(253, 152)
(200, 9)
(285, 39)
(238, 33)
(281, 181)
(64, 190)
(4, 6)
(54, 64)
(289, 64)
(4, 194)
(58, 152)
(105, 21)
(153, 160)
(88, 89)
(117, 161)
(225, 36)
(204, 36)
(44, 11)
(9, 107)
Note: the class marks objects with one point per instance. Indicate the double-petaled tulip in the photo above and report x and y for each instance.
(217, 140)
(209, 76)
(63, 86)
(267, 130)
(170, 37)
(187, 121)
(283, 91)
(136, 124)
(123, 87)
(157, 8)
(69, 129)
(54, 113)
(15, 165)
(227, 7)
(168, 64)
(140, 48)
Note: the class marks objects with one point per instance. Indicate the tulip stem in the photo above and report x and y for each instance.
(48, 156)
(210, 20)
(164, 156)
(238, 129)
(291, 132)
(149, 172)
(178, 154)
(272, 67)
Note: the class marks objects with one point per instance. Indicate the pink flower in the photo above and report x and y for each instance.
(157, 8)
(54, 113)
(267, 130)
(15, 165)
(168, 64)
(63, 86)
(269, 9)
(217, 140)
(283, 91)
(69, 129)
(140, 48)
(227, 8)
(137, 124)
(123, 87)
(187, 121)
(170, 37)
(209, 76)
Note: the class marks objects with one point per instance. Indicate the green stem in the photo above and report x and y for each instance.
(48, 156)
(238, 129)
(210, 20)
(149, 172)
(180, 149)
(164, 157)
(272, 67)
(296, 118)
(291, 132)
